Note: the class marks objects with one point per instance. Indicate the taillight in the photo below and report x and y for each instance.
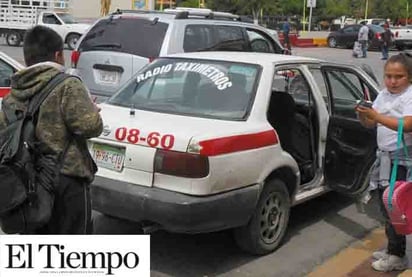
(396, 34)
(75, 58)
(378, 36)
(181, 164)
(151, 59)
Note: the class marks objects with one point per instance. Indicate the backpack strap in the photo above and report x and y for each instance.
(39, 98)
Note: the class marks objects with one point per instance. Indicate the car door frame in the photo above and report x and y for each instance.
(339, 143)
(16, 66)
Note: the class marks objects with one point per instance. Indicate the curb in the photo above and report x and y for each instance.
(350, 259)
(307, 42)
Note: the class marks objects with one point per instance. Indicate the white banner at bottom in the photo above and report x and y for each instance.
(74, 255)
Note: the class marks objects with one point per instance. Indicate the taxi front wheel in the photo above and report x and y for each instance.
(267, 227)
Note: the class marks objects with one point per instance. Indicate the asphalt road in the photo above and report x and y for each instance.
(318, 229)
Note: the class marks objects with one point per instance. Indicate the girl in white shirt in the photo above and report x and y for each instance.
(392, 103)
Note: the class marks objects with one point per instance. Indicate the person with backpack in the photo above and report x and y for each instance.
(64, 121)
(392, 103)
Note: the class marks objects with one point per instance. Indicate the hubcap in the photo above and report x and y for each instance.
(73, 42)
(332, 42)
(13, 39)
(271, 217)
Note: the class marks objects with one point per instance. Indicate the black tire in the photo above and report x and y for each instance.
(266, 229)
(13, 38)
(332, 42)
(71, 40)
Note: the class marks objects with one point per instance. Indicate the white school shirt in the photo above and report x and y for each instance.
(394, 105)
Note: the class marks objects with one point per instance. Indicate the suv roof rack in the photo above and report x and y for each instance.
(186, 13)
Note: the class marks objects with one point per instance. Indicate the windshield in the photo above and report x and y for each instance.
(200, 88)
(376, 28)
(133, 35)
(67, 18)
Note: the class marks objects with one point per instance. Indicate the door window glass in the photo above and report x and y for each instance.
(49, 18)
(321, 83)
(198, 38)
(346, 89)
(259, 42)
(230, 38)
(5, 73)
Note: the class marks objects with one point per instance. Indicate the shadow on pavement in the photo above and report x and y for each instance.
(217, 253)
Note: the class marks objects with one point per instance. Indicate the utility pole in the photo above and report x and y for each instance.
(304, 16)
(366, 9)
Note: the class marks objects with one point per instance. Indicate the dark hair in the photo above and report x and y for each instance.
(40, 45)
(404, 59)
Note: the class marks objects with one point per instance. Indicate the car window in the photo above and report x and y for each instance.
(49, 18)
(198, 37)
(137, 36)
(223, 90)
(346, 89)
(230, 38)
(348, 30)
(5, 73)
(259, 42)
(293, 82)
(321, 83)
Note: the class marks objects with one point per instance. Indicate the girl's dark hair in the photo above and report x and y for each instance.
(404, 59)
(40, 45)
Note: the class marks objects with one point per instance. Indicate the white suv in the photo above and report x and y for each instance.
(117, 46)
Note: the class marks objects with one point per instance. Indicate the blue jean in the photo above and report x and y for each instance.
(385, 51)
(364, 46)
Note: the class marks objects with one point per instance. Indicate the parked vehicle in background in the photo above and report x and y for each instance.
(17, 16)
(403, 37)
(346, 36)
(373, 21)
(113, 50)
(8, 67)
(201, 142)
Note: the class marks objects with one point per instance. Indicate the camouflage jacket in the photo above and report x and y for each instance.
(66, 111)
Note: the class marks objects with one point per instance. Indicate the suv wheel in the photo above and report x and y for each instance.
(265, 230)
(332, 42)
(72, 41)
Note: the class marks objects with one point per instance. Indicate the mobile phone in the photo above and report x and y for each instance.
(365, 103)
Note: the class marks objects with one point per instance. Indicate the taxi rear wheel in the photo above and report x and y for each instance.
(267, 227)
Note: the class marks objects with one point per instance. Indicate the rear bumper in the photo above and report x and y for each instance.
(174, 211)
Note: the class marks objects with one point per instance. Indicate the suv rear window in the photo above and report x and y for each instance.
(200, 88)
(137, 36)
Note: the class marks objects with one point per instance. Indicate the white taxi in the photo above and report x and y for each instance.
(201, 142)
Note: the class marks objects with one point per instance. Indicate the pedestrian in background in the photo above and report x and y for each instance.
(363, 38)
(392, 103)
(66, 118)
(386, 39)
(286, 31)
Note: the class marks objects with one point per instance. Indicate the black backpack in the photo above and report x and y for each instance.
(27, 173)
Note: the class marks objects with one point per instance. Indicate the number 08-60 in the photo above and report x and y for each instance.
(154, 139)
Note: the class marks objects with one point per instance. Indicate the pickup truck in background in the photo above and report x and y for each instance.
(403, 37)
(17, 16)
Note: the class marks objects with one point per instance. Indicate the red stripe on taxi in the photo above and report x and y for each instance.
(214, 147)
(4, 91)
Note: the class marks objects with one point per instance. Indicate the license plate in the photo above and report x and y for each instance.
(108, 156)
(108, 77)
